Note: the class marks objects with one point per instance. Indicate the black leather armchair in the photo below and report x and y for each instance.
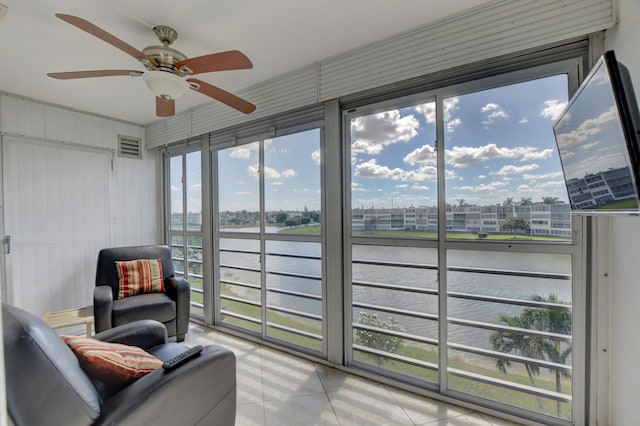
(170, 308)
(47, 386)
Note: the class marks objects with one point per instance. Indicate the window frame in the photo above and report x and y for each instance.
(573, 67)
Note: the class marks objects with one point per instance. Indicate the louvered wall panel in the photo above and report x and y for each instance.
(285, 93)
(229, 136)
(488, 31)
(156, 134)
(492, 30)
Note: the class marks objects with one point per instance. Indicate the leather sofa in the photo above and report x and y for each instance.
(170, 308)
(47, 386)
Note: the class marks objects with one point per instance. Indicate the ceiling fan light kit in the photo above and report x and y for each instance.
(166, 68)
(165, 85)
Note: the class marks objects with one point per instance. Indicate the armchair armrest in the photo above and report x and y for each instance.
(198, 392)
(180, 291)
(102, 307)
(177, 288)
(144, 334)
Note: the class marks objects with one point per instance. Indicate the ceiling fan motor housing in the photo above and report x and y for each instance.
(167, 35)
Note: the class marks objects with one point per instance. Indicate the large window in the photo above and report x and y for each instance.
(185, 222)
(268, 239)
(439, 252)
(461, 251)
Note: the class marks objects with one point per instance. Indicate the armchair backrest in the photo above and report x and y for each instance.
(41, 371)
(107, 274)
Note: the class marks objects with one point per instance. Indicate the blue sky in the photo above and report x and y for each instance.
(291, 171)
(499, 143)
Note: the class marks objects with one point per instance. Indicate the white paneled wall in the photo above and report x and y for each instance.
(619, 386)
(67, 195)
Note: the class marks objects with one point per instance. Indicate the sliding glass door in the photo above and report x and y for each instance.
(462, 254)
(268, 239)
(185, 222)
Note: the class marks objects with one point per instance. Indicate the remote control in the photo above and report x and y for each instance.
(180, 359)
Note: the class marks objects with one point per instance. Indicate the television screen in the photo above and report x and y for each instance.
(598, 142)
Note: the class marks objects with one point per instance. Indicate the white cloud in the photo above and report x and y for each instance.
(545, 176)
(523, 120)
(270, 173)
(493, 186)
(529, 153)
(426, 154)
(516, 170)
(244, 152)
(449, 106)
(552, 184)
(372, 133)
(357, 187)
(288, 173)
(465, 156)
(493, 112)
(371, 170)
(424, 173)
(552, 109)
(315, 156)
(586, 130)
(174, 188)
(419, 188)
(452, 124)
(588, 146)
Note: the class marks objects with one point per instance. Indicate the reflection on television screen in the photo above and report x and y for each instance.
(593, 146)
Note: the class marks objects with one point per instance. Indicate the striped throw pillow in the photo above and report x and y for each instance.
(139, 276)
(113, 363)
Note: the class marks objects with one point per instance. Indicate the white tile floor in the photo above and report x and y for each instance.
(278, 389)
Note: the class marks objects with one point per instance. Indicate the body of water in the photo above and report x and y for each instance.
(418, 271)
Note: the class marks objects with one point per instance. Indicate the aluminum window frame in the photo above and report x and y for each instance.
(573, 67)
(301, 121)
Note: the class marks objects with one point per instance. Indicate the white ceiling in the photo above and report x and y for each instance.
(277, 35)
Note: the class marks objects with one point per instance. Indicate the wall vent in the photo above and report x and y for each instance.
(129, 147)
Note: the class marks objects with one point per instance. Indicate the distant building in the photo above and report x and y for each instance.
(544, 219)
(601, 188)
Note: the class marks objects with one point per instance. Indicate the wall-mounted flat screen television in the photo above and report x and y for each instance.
(597, 138)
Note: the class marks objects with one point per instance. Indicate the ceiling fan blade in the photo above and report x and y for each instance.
(223, 96)
(105, 36)
(165, 108)
(223, 61)
(88, 74)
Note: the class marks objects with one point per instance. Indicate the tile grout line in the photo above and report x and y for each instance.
(333, 409)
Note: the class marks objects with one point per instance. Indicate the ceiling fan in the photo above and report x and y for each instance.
(168, 70)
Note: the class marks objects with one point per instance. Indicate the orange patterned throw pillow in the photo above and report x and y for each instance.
(112, 363)
(139, 276)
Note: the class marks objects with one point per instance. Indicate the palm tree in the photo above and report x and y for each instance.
(536, 347)
(549, 200)
(508, 201)
(525, 201)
